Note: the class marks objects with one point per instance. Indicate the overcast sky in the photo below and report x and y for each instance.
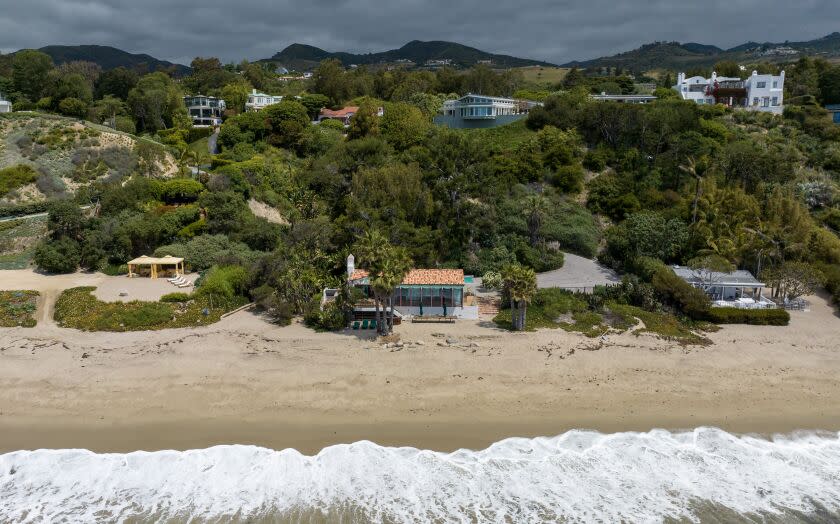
(551, 30)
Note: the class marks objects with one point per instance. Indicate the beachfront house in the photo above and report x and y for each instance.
(478, 111)
(205, 111)
(5, 105)
(257, 101)
(423, 293)
(757, 92)
(734, 289)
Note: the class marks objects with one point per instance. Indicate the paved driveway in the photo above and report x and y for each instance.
(578, 273)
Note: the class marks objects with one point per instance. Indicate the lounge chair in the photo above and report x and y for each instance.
(373, 324)
(364, 324)
(179, 280)
(185, 283)
(176, 277)
(355, 325)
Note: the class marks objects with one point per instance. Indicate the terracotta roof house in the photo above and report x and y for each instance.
(343, 115)
(423, 292)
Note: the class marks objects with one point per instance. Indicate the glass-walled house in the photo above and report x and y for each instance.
(423, 292)
(478, 111)
(205, 110)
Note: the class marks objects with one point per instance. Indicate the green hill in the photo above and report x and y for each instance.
(674, 55)
(110, 58)
(301, 56)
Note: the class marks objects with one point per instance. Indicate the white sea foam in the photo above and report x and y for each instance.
(577, 476)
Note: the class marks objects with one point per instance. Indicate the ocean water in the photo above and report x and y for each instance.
(704, 475)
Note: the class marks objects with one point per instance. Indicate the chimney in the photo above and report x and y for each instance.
(253, 91)
(351, 265)
(680, 79)
(754, 73)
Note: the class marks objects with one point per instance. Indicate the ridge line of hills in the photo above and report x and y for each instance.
(655, 55)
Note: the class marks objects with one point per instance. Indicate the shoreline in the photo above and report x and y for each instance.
(311, 438)
(245, 381)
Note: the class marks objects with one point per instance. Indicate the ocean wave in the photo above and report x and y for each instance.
(580, 476)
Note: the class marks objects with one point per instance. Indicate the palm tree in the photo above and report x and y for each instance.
(535, 209)
(390, 272)
(520, 283)
(369, 249)
(387, 266)
(691, 168)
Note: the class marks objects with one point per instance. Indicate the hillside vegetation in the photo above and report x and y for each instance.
(45, 156)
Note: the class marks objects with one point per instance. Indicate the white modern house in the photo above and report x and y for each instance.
(735, 289)
(205, 111)
(5, 105)
(257, 101)
(757, 92)
(479, 111)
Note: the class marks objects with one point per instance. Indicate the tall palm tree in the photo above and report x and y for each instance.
(693, 169)
(387, 266)
(390, 272)
(535, 210)
(521, 285)
(369, 249)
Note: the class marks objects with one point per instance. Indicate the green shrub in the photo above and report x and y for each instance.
(568, 179)
(19, 210)
(224, 283)
(757, 317)
(58, 256)
(15, 177)
(679, 293)
(176, 297)
(332, 317)
(114, 270)
(177, 190)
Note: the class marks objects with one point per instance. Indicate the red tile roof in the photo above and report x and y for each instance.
(423, 277)
(339, 113)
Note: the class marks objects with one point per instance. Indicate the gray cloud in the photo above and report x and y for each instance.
(552, 30)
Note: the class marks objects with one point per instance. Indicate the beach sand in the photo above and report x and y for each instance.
(245, 381)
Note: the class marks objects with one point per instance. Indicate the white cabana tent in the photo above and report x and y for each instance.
(156, 264)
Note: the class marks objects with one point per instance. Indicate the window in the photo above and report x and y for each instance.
(755, 101)
(766, 101)
(775, 100)
(701, 101)
(775, 84)
(761, 85)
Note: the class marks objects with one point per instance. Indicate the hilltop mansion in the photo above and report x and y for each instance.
(757, 93)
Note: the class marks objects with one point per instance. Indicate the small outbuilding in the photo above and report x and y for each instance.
(157, 265)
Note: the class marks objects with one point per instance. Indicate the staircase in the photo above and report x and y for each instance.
(488, 306)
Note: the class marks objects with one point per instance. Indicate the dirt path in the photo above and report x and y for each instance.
(46, 308)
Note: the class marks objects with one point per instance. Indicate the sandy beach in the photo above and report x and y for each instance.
(245, 381)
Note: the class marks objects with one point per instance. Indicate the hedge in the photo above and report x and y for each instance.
(756, 317)
(20, 210)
